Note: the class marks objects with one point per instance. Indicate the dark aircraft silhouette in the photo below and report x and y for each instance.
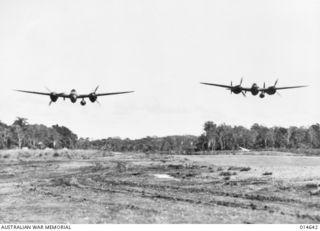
(73, 96)
(254, 89)
(273, 89)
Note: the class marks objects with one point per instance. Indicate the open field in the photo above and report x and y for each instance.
(104, 187)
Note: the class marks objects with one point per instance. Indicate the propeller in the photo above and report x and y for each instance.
(94, 95)
(241, 80)
(231, 88)
(264, 85)
(95, 90)
(243, 93)
(275, 84)
(52, 92)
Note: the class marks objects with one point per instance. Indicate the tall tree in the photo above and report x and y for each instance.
(314, 135)
(210, 129)
(19, 127)
(260, 132)
(280, 137)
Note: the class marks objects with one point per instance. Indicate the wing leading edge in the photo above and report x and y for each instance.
(34, 92)
(283, 88)
(63, 95)
(105, 94)
(217, 85)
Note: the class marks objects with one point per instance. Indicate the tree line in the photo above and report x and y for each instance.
(214, 137)
(22, 134)
(226, 137)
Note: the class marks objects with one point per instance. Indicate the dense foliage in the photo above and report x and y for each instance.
(21, 134)
(215, 137)
(225, 137)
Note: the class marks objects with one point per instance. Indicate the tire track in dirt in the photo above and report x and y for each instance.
(153, 191)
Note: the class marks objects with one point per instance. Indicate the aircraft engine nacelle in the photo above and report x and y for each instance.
(93, 97)
(271, 90)
(236, 90)
(53, 97)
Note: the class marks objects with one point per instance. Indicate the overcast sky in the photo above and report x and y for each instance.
(161, 49)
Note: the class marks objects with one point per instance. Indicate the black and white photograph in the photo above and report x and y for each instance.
(159, 112)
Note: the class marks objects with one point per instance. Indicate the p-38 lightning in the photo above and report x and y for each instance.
(74, 96)
(254, 89)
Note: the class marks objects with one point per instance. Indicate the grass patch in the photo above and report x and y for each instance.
(65, 182)
(227, 174)
(311, 185)
(241, 169)
(56, 154)
(267, 174)
(315, 192)
(25, 154)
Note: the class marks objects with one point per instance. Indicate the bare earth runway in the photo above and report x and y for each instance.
(105, 187)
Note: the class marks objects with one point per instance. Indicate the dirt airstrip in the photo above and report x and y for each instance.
(104, 187)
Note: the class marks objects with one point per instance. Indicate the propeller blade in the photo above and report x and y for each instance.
(278, 94)
(241, 81)
(59, 93)
(50, 103)
(98, 103)
(244, 94)
(276, 82)
(96, 89)
(264, 85)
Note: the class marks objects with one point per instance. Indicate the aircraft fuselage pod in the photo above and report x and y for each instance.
(73, 96)
(254, 89)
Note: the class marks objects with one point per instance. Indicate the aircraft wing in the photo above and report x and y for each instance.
(283, 88)
(114, 93)
(34, 92)
(44, 93)
(217, 85)
(105, 94)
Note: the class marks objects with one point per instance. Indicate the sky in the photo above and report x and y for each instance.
(161, 49)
